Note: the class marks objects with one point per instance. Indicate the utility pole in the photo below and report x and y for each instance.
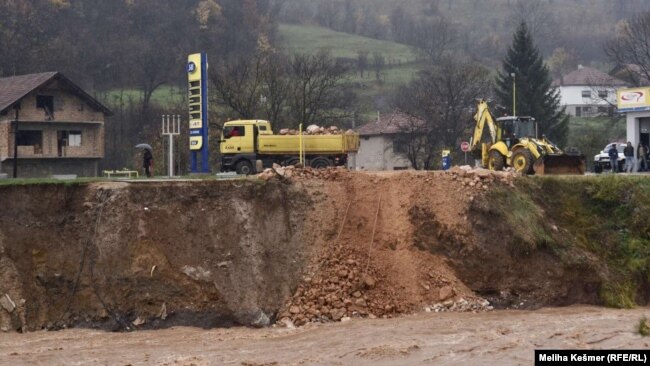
(514, 91)
(16, 109)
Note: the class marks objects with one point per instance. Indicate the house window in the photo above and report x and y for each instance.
(46, 102)
(31, 138)
(74, 138)
(578, 112)
(69, 138)
(602, 94)
(603, 110)
(586, 93)
(400, 146)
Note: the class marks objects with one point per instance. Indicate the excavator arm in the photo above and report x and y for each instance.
(483, 117)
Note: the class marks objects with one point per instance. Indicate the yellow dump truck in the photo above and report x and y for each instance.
(245, 142)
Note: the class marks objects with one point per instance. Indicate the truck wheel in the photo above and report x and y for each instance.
(291, 161)
(522, 161)
(244, 167)
(598, 168)
(321, 163)
(496, 161)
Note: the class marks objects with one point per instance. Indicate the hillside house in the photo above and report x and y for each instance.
(60, 127)
(587, 92)
(382, 143)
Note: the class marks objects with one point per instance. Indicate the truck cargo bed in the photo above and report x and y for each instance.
(312, 144)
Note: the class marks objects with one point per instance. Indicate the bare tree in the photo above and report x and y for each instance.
(362, 62)
(444, 99)
(318, 89)
(238, 85)
(378, 64)
(276, 84)
(434, 38)
(630, 47)
(254, 87)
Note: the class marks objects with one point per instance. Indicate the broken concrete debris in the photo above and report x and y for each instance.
(316, 130)
(7, 303)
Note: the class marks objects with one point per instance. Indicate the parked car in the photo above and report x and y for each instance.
(601, 161)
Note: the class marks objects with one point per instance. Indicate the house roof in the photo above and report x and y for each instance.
(588, 76)
(14, 88)
(392, 123)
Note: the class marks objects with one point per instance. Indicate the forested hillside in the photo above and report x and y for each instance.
(294, 61)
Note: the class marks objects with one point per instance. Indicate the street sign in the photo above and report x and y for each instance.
(464, 146)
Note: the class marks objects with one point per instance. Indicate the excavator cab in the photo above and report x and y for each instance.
(514, 128)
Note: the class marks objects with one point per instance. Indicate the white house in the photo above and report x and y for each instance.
(382, 146)
(587, 92)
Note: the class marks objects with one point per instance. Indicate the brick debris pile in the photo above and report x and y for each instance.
(316, 130)
(479, 178)
(295, 173)
(340, 288)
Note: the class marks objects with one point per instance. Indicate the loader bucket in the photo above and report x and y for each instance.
(560, 164)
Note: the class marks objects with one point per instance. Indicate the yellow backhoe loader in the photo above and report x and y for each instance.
(513, 142)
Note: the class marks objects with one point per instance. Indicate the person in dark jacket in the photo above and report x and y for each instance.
(642, 156)
(613, 158)
(629, 157)
(147, 162)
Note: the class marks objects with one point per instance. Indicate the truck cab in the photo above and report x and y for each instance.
(238, 142)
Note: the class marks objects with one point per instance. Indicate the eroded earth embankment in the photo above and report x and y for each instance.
(316, 247)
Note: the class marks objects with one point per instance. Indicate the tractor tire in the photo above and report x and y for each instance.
(321, 163)
(496, 161)
(522, 161)
(244, 167)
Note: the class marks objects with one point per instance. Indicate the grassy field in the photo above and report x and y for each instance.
(162, 96)
(401, 61)
(310, 39)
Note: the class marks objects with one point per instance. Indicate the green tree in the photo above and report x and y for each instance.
(534, 94)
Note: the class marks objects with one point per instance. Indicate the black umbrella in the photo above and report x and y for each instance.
(144, 147)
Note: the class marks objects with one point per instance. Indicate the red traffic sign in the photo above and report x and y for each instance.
(464, 146)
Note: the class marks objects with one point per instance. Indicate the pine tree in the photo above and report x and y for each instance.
(534, 94)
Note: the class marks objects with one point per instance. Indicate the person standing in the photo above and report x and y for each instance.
(629, 157)
(642, 156)
(147, 162)
(613, 158)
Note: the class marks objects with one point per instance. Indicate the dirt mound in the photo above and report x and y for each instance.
(302, 246)
(372, 267)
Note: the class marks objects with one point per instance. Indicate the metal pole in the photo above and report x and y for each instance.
(171, 147)
(300, 148)
(17, 108)
(514, 93)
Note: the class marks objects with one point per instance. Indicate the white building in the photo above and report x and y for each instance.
(382, 144)
(635, 103)
(587, 92)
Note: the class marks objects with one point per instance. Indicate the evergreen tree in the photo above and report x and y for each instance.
(534, 94)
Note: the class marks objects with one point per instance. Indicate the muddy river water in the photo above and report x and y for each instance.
(499, 337)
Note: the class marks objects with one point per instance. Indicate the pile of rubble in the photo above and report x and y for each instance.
(291, 172)
(479, 178)
(316, 130)
(339, 289)
(461, 305)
